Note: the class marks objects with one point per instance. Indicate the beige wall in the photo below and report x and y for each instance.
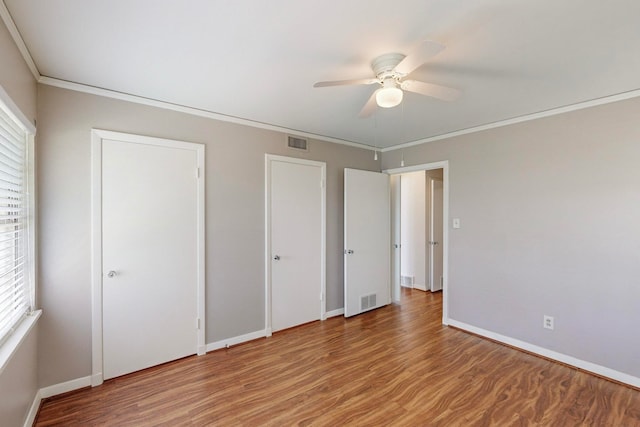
(234, 217)
(19, 383)
(18, 380)
(15, 77)
(549, 225)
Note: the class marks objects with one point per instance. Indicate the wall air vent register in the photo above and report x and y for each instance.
(297, 143)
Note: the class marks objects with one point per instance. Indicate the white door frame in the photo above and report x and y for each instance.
(97, 135)
(444, 165)
(432, 249)
(322, 292)
(396, 256)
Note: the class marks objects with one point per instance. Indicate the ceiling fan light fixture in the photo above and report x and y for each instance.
(388, 97)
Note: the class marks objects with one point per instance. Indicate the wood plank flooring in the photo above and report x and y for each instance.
(396, 366)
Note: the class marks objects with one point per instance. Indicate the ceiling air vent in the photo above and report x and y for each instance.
(297, 143)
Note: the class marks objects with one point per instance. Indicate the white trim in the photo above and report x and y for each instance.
(33, 410)
(17, 39)
(65, 387)
(550, 354)
(15, 339)
(217, 345)
(202, 248)
(50, 81)
(268, 159)
(444, 165)
(96, 259)
(97, 135)
(525, 118)
(335, 313)
(420, 287)
(15, 111)
(193, 111)
(416, 168)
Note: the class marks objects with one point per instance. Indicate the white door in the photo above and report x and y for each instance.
(296, 215)
(149, 255)
(435, 234)
(366, 240)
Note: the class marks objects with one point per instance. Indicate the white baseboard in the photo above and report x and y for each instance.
(420, 287)
(602, 371)
(96, 379)
(237, 340)
(53, 390)
(33, 410)
(65, 387)
(334, 313)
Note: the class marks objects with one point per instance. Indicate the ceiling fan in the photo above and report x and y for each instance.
(390, 70)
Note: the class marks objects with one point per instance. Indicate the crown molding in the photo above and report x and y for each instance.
(193, 111)
(231, 119)
(17, 38)
(527, 117)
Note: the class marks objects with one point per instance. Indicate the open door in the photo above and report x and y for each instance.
(367, 241)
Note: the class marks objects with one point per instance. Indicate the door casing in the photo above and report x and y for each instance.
(97, 136)
(269, 158)
(444, 165)
(435, 255)
(395, 195)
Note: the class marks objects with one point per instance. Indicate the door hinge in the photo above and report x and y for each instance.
(198, 173)
(198, 323)
(321, 296)
(322, 183)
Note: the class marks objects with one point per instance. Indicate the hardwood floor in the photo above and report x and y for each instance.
(393, 366)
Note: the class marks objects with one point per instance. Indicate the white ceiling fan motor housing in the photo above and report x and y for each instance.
(384, 65)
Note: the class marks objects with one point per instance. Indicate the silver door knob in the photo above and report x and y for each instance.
(111, 274)
(277, 257)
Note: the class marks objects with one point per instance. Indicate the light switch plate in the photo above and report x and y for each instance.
(456, 222)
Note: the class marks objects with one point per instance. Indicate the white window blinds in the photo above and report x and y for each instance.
(15, 270)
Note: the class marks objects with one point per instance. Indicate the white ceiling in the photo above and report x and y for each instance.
(258, 60)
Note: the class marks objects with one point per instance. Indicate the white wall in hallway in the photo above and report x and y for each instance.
(413, 232)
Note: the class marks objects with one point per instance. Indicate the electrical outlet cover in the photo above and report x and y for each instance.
(547, 322)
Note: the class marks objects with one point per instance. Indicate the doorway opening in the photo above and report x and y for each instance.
(419, 205)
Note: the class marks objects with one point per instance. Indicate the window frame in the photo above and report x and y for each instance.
(11, 342)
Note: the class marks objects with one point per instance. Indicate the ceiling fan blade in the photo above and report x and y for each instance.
(369, 81)
(370, 107)
(429, 89)
(418, 56)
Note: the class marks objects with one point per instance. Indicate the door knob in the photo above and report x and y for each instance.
(348, 251)
(111, 274)
(277, 257)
